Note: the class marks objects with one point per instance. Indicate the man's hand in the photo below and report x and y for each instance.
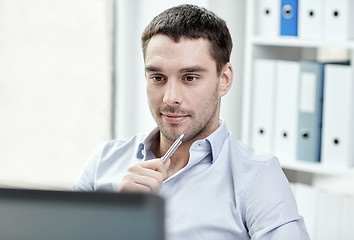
(146, 176)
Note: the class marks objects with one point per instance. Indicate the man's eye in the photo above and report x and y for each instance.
(158, 78)
(190, 78)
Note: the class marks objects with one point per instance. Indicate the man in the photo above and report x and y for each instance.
(214, 186)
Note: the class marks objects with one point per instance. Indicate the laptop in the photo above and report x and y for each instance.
(51, 215)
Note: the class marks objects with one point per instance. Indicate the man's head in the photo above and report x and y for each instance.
(192, 22)
(186, 55)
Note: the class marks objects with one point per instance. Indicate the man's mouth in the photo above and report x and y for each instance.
(174, 117)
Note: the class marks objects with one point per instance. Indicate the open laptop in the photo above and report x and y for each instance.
(51, 215)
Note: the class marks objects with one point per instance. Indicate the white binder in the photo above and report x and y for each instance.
(338, 19)
(306, 199)
(286, 110)
(338, 116)
(310, 19)
(263, 105)
(348, 218)
(268, 18)
(328, 215)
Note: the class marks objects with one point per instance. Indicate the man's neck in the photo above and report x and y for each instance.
(180, 157)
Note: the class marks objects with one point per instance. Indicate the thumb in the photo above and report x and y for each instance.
(167, 163)
(166, 166)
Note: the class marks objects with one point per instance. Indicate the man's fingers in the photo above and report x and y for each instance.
(157, 165)
(145, 176)
(163, 168)
(151, 179)
(129, 186)
(153, 164)
(142, 170)
(141, 183)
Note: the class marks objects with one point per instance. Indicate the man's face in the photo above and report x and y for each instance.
(182, 87)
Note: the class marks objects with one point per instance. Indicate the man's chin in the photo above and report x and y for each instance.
(171, 136)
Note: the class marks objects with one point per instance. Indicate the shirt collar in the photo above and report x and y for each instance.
(146, 143)
(215, 140)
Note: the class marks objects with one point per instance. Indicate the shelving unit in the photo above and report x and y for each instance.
(296, 42)
(317, 168)
(293, 49)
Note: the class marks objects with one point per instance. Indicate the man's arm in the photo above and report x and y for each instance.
(85, 182)
(271, 210)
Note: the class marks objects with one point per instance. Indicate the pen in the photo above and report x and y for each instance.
(172, 149)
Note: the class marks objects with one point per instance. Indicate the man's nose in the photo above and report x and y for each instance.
(173, 94)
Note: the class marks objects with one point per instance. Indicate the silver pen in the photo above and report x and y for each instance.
(172, 149)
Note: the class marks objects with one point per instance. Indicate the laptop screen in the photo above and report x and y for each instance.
(38, 214)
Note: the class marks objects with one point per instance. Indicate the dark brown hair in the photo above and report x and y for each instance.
(192, 22)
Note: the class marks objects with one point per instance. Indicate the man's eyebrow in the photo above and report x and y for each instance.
(152, 69)
(183, 70)
(193, 69)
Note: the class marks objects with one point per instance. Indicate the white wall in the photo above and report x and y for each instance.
(233, 11)
(55, 88)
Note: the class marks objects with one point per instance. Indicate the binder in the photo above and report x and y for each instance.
(338, 116)
(267, 18)
(288, 19)
(348, 218)
(286, 111)
(306, 199)
(328, 215)
(311, 19)
(263, 105)
(338, 19)
(310, 111)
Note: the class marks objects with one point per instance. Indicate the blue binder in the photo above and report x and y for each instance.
(310, 111)
(288, 19)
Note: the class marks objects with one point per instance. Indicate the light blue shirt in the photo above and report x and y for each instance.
(226, 191)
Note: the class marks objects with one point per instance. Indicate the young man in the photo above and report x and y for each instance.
(214, 186)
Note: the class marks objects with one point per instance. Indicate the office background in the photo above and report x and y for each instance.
(72, 76)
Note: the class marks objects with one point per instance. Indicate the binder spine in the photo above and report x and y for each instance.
(289, 16)
(310, 111)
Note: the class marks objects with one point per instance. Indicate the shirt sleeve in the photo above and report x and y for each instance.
(86, 179)
(271, 211)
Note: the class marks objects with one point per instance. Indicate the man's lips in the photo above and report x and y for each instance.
(173, 118)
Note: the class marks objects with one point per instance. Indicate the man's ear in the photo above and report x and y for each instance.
(226, 77)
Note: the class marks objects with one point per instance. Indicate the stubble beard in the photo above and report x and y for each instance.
(194, 131)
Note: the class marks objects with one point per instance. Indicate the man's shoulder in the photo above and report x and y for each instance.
(108, 163)
(115, 146)
(250, 154)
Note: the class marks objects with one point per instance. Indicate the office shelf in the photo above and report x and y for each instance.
(283, 48)
(296, 42)
(316, 168)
